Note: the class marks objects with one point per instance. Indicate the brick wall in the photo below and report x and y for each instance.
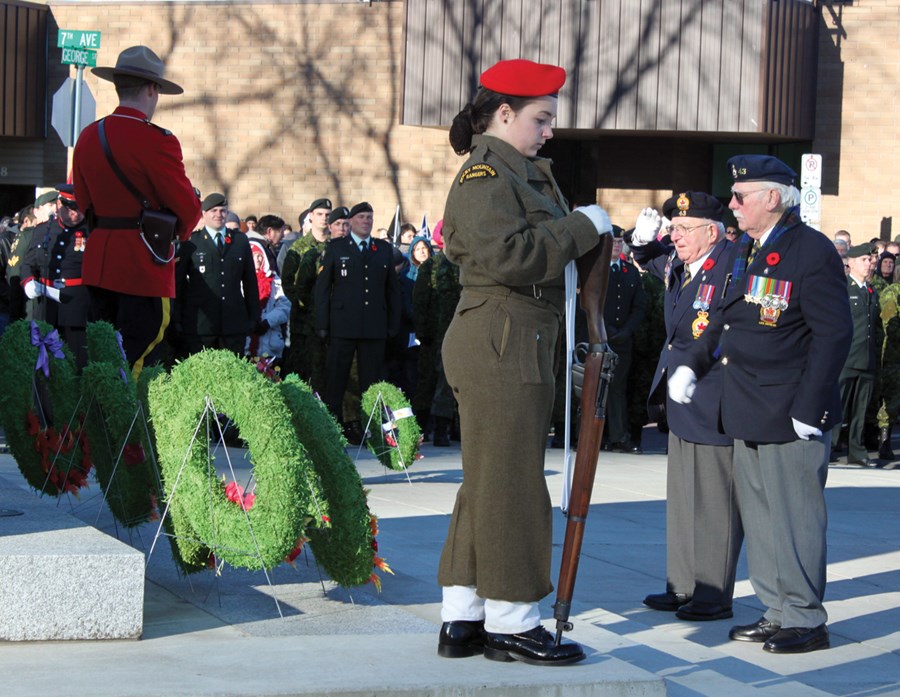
(283, 103)
(856, 122)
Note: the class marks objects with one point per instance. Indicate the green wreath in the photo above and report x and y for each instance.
(206, 514)
(346, 549)
(394, 435)
(45, 434)
(107, 381)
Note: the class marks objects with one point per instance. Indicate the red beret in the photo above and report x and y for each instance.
(523, 78)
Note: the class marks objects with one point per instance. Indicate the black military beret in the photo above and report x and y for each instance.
(760, 168)
(364, 207)
(694, 204)
(860, 250)
(320, 203)
(339, 213)
(46, 197)
(212, 201)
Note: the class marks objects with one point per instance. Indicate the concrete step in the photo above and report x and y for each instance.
(61, 578)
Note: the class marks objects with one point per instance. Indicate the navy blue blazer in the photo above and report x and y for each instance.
(358, 297)
(781, 359)
(686, 320)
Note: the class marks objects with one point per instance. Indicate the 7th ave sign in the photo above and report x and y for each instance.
(78, 47)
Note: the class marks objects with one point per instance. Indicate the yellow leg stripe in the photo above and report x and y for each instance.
(139, 363)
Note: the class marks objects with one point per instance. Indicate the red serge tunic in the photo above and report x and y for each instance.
(150, 156)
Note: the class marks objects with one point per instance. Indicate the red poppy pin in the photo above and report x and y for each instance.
(708, 264)
(773, 258)
(374, 248)
(871, 290)
(227, 239)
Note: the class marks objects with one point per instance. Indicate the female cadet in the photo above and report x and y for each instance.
(508, 228)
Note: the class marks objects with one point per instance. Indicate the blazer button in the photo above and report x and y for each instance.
(725, 360)
(669, 347)
(727, 327)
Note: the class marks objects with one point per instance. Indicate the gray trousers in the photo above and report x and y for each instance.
(703, 526)
(781, 493)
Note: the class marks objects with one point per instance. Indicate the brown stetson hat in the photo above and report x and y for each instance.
(140, 61)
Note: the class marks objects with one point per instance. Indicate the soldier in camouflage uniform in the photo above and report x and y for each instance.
(298, 278)
(890, 367)
(435, 296)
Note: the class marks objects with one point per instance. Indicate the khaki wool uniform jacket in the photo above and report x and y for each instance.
(508, 228)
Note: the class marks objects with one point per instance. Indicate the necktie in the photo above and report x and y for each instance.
(615, 265)
(753, 252)
(220, 243)
(687, 276)
(363, 246)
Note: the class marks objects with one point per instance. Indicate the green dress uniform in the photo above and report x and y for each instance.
(508, 228)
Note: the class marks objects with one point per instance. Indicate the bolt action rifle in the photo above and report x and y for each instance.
(593, 276)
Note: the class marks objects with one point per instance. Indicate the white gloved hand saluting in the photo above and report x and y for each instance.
(804, 431)
(646, 227)
(598, 217)
(682, 385)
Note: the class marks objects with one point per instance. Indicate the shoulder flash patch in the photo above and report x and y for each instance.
(479, 171)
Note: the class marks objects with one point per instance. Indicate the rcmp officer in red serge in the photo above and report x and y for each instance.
(358, 306)
(128, 286)
(509, 229)
(703, 527)
(53, 266)
(783, 333)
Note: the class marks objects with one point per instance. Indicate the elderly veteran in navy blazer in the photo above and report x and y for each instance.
(783, 333)
(358, 306)
(703, 527)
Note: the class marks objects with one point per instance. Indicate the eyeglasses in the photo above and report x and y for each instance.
(682, 230)
(739, 196)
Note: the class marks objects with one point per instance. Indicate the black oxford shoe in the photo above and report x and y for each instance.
(461, 638)
(695, 611)
(759, 631)
(667, 602)
(536, 646)
(798, 640)
(865, 462)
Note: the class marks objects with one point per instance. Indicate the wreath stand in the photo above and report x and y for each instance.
(387, 424)
(210, 412)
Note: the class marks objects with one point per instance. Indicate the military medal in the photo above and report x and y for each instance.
(699, 324)
(704, 297)
(772, 296)
(79, 242)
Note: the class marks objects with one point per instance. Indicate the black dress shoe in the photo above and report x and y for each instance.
(667, 602)
(461, 638)
(865, 462)
(703, 612)
(798, 640)
(536, 646)
(760, 631)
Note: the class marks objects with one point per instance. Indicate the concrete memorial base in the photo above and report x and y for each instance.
(61, 578)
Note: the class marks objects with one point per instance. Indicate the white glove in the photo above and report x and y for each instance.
(33, 289)
(598, 217)
(646, 227)
(52, 293)
(804, 431)
(682, 385)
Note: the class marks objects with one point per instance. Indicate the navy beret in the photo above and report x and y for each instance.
(46, 197)
(760, 168)
(320, 203)
(694, 204)
(212, 201)
(339, 213)
(363, 207)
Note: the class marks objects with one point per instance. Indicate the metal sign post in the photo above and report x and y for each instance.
(79, 48)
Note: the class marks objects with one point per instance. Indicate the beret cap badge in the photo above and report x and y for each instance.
(683, 203)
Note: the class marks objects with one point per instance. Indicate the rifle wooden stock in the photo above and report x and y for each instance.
(593, 273)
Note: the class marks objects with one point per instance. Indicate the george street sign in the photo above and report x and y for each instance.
(73, 38)
(74, 56)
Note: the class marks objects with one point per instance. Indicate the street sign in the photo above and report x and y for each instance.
(811, 171)
(73, 38)
(810, 204)
(63, 107)
(74, 56)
